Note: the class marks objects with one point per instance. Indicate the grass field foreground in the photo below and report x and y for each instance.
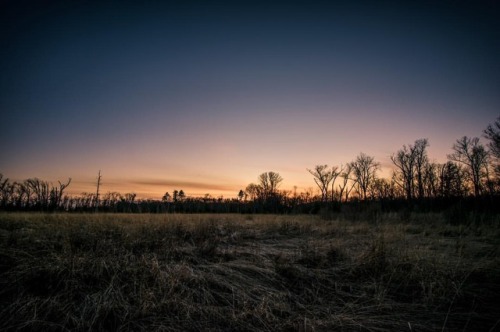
(176, 272)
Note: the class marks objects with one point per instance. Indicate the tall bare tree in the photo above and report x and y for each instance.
(431, 179)
(492, 133)
(450, 180)
(411, 161)
(5, 190)
(421, 161)
(270, 181)
(56, 194)
(364, 169)
(404, 160)
(344, 187)
(40, 190)
(471, 153)
(322, 177)
(97, 191)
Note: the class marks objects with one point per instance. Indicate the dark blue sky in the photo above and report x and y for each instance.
(212, 93)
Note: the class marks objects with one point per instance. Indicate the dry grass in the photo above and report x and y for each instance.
(85, 272)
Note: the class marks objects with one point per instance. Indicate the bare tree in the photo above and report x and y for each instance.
(472, 154)
(344, 187)
(421, 161)
(166, 197)
(254, 191)
(364, 169)
(40, 190)
(270, 181)
(20, 195)
(87, 201)
(450, 180)
(431, 179)
(97, 191)
(166, 200)
(4, 190)
(110, 200)
(56, 194)
(404, 160)
(411, 161)
(322, 177)
(129, 200)
(182, 195)
(381, 189)
(492, 133)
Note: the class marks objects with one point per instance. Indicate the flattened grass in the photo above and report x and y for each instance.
(84, 272)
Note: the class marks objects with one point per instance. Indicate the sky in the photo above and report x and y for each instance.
(204, 96)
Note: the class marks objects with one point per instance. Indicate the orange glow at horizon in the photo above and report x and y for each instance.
(197, 182)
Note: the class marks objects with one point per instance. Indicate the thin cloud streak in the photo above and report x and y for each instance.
(179, 184)
(153, 188)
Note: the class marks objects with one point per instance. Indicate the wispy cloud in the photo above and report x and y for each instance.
(179, 184)
(153, 188)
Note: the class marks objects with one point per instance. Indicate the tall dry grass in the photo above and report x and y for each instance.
(390, 272)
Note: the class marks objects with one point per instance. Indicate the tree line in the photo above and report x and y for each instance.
(472, 172)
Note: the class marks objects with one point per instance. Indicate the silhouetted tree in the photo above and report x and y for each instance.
(129, 199)
(270, 181)
(411, 161)
(364, 169)
(99, 177)
(431, 179)
(85, 201)
(20, 196)
(421, 161)
(56, 194)
(492, 133)
(241, 194)
(382, 189)
(265, 195)
(404, 160)
(5, 189)
(110, 201)
(450, 180)
(322, 177)
(472, 154)
(40, 191)
(347, 184)
(254, 190)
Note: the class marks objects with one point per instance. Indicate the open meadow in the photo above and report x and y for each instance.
(189, 272)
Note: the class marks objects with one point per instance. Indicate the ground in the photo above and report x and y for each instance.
(178, 272)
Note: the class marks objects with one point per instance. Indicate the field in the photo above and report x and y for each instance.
(389, 272)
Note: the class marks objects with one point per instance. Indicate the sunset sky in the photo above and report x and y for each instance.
(206, 95)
